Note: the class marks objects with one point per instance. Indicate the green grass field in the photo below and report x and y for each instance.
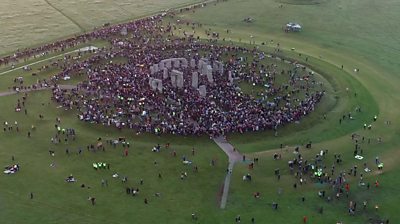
(361, 34)
(34, 22)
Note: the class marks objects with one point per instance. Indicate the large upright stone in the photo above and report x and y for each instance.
(165, 73)
(124, 31)
(173, 79)
(150, 81)
(205, 61)
(159, 85)
(176, 78)
(177, 63)
(179, 80)
(154, 84)
(195, 79)
(203, 69)
(200, 65)
(192, 63)
(202, 90)
(152, 70)
(220, 67)
(156, 68)
(230, 78)
(184, 63)
(168, 63)
(215, 67)
(161, 65)
(209, 74)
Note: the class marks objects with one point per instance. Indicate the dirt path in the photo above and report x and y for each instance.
(83, 49)
(234, 156)
(8, 93)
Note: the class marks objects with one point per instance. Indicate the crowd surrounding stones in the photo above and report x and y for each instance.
(118, 94)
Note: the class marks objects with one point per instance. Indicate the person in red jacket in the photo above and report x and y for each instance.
(347, 187)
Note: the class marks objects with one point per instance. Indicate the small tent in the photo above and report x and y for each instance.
(295, 27)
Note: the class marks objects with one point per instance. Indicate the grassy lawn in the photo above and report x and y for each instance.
(32, 22)
(359, 34)
(68, 201)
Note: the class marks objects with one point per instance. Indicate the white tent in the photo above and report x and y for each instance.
(293, 27)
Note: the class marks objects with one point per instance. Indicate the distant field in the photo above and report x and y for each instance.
(30, 22)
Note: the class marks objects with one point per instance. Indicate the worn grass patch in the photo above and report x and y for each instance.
(301, 2)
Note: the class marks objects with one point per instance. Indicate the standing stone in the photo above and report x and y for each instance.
(124, 31)
(195, 79)
(179, 80)
(215, 67)
(155, 67)
(230, 78)
(168, 63)
(203, 69)
(177, 63)
(192, 63)
(220, 68)
(184, 62)
(173, 79)
(209, 74)
(159, 85)
(161, 65)
(150, 81)
(202, 90)
(154, 84)
(200, 65)
(165, 73)
(152, 70)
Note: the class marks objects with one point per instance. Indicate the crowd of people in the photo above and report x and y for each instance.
(118, 94)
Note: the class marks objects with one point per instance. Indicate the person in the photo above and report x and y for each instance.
(275, 205)
(237, 219)
(253, 220)
(31, 195)
(305, 219)
(92, 200)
